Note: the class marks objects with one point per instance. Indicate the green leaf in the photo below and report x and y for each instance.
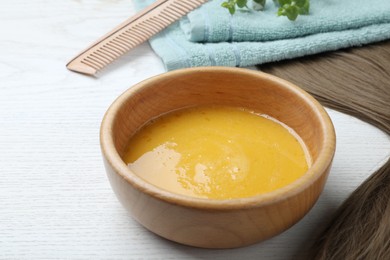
(230, 5)
(300, 3)
(289, 8)
(292, 16)
(260, 2)
(225, 5)
(232, 9)
(291, 11)
(284, 2)
(281, 12)
(305, 8)
(241, 3)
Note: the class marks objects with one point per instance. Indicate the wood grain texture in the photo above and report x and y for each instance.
(55, 199)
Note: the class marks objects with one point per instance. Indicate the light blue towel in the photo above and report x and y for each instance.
(211, 23)
(280, 39)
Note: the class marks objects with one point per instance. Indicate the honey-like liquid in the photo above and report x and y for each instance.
(217, 152)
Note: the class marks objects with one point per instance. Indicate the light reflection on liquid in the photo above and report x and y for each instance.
(217, 152)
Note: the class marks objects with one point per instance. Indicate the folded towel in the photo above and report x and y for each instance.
(211, 23)
(176, 49)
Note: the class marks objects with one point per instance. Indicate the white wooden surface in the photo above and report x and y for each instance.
(55, 200)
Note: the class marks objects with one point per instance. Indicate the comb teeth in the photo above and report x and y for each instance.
(131, 33)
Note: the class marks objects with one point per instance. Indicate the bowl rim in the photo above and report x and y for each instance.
(319, 167)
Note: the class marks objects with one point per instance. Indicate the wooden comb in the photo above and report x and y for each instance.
(132, 32)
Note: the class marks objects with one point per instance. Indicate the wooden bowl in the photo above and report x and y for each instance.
(212, 223)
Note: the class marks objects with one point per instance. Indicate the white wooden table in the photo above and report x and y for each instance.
(55, 199)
